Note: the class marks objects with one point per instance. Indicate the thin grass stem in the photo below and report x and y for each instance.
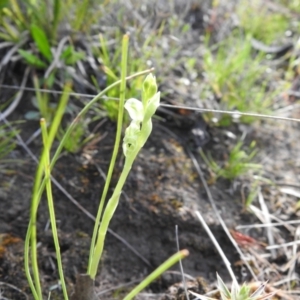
(39, 184)
(157, 272)
(46, 164)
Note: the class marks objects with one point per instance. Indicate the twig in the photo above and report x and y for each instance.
(211, 200)
(17, 99)
(235, 113)
(180, 264)
(14, 288)
(216, 244)
(267, 219)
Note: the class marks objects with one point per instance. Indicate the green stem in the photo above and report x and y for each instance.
(46, 164)
(109, 211)
(26, 262)
(156, 273)
(31, 235)
(116, 148)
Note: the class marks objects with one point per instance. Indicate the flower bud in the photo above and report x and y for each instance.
(149, 88)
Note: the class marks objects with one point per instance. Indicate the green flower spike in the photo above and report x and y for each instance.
(141, 112)
(135, 138)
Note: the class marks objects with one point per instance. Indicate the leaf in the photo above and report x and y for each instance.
(41, 41)
(31, 59)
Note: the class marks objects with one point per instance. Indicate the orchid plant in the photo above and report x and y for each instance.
(135, 138)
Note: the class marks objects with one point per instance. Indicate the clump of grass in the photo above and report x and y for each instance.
(238, 79)
(7, 144)
(239, 162)
(36, 31)
(258, 20)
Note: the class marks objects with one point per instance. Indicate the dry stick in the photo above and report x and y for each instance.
(237, 113)
(78, 205)
(18, 97)
(12, 51)
(267, 219)
(14, 288)
(268, 225)
(200, 173)
(212, 202)
(218, 247)
(57, 55)
(180, 264)
(259, 215)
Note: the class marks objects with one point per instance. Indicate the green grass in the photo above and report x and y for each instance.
(7, 144)
(238, 163)
(261, 21)
(238, 78)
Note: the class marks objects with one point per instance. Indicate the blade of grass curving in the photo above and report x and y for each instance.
(39, 184)
(104, 56)
(116, 146)
(157, 272)
(10, 34)
(46, 164)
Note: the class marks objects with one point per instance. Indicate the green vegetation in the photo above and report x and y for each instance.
(255, 15)
(135, 137)
(66, 49)
(238, 79)
(7, 144)
(239, 162)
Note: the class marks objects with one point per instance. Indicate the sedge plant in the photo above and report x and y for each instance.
(136, 136)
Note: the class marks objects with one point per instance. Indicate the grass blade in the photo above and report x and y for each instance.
(157, 272)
